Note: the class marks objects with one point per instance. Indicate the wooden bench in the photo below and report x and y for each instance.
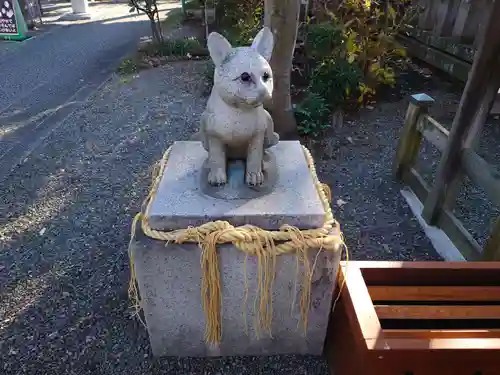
(416, 318)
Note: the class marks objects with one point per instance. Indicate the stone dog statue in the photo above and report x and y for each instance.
(235, 125)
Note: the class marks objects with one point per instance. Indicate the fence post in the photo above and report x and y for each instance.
(492, 249)
(446, 14)
(410, 136)
(468, 20)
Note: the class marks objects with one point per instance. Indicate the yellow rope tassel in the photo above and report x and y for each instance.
(253, 241)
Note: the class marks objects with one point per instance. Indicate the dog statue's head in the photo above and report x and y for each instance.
(243, 76)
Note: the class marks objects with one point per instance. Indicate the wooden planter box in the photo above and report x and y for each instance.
(416, 318)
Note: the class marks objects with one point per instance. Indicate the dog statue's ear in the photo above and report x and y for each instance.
(218, 47)
(264, 43)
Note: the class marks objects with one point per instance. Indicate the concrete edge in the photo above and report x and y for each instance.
(75, 17)
(440, 241)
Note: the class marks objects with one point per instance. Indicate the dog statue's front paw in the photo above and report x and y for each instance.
(217, 177)
(254, 177)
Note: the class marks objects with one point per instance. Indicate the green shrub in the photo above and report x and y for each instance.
(238, 20)
(312, 114)
(334, 80)
(323, 40)
(176, 47)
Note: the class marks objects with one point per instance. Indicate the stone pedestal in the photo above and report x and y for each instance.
(169, 277)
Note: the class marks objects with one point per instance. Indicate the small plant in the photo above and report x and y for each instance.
(127, 66)
(312, 114)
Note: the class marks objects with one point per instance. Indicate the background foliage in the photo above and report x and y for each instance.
(347, 49)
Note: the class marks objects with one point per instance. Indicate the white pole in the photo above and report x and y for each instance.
(80, 6)
(80, 11)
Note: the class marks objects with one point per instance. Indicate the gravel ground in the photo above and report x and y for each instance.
(65, 218)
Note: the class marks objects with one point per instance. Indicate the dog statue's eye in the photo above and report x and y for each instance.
(245, 77)
(266, 76)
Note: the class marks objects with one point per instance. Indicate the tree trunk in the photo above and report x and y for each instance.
(282, 17)
(155, 30)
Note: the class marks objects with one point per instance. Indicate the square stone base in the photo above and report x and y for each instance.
(180, 202)
(169, 279)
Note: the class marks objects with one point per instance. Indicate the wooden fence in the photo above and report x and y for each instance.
(419, 125)
(459, 19)
(447, 33)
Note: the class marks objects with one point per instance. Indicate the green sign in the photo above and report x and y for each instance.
(12, 23)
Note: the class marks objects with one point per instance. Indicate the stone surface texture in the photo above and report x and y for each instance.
(180, 202)
(170, 285)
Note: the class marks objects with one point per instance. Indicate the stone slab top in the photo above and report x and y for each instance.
(180, 203)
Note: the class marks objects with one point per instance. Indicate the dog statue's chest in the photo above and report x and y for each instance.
(237, 127)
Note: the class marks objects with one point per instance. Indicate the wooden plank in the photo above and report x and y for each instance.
(472, 344)
(453, 228)
(433, 132)
(482, 174)
(446, 15)
(362, 303)
(426, 17)
(429, 273)
(455, 67)
(434, 266)
(436, 134)
(410, 137)
(421, 361)
(416, 183)
(458, 234)
(437, 312)
(468, 19)
(434, 293)
(441, 333)
(480, 80)
(492, 249)
(448, 45)
(345, 347)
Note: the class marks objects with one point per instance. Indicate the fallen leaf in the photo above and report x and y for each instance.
(42, 232)
(350, 140)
